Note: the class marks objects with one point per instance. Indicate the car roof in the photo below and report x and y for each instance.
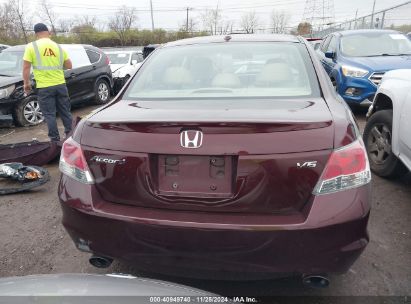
(366, 31)
(23, 46)
(235, 38)
(122, 52)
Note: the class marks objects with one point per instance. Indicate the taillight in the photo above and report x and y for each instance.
(107, 60)
(73, 162)
(346, 168)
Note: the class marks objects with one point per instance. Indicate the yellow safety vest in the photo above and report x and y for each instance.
(47, 59)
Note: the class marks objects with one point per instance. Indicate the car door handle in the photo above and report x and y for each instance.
(94, 67)
(72, 75)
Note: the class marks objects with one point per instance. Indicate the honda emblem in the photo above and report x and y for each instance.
(191, 139)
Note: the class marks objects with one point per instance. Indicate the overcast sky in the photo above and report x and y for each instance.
(170, 14)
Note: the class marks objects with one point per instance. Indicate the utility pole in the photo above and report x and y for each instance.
(372, 15)
(355, 22)
(152, 16)
(187, 19)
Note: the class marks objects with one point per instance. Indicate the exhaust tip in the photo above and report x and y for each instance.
(100, 261)
(316, 281)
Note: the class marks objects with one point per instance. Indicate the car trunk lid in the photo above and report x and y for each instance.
(261, 156)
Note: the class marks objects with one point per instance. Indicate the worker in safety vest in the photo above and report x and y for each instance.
(48, 61)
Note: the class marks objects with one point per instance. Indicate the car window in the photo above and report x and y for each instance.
(78, 55)
(324, 45)
(332, 46)
(93, 56)
(375, 44)
(119, 58)
(136, 56)
(240, 69)
(11, 63)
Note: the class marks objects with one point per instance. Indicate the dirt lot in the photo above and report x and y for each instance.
(33, 241)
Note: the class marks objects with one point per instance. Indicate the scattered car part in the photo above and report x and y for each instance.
(30, 153)
(28, 177)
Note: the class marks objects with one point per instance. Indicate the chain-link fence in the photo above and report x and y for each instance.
(396, 17)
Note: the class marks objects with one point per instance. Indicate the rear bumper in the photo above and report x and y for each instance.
(327, 238)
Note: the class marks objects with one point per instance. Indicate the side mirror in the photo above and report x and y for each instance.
(133, 62)
(330, 55)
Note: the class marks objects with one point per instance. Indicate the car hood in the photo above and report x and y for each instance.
(382, 63)
(88, 285)
(6, 80)
(115, 67)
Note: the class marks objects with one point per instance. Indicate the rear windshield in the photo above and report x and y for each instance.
(119, 58)
(217, 70)
(375, 44)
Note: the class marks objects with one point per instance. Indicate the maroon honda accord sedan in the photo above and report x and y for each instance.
(224, 157)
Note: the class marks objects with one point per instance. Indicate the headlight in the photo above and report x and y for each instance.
(6, 92)
(353, 71)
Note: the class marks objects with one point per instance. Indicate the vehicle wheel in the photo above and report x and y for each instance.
(28, 113)
(102, 92)
(378, 140)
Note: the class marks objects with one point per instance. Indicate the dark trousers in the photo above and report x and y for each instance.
(55, 99)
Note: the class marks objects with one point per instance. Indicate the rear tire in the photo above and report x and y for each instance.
(378, 141)
(102, 91)
(27, 112)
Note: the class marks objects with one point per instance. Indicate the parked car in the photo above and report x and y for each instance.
(92, 288)
(409, 35)
(356, 60)
(3, 47)
(315, 42)
(123, 65)
(89, 80)
(215, 171)
(148, 49)
(387, 132)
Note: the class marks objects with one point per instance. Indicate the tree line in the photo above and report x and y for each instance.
(121, 29)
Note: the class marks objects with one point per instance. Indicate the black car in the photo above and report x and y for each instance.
(3, 47)
(89, 80)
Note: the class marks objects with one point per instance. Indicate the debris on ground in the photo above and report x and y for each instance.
(15, 177)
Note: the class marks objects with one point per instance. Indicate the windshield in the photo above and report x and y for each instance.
(375, 44)
(119, 58)
(11, 63)
(216, 70)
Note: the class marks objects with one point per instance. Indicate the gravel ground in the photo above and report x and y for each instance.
(33, 240)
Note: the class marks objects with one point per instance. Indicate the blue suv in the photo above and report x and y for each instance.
(356, 61)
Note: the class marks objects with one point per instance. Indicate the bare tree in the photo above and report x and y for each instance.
(46, 12)
(249, 22)
(192, 25)
(18, 12)
(214, 22)
(65, 25)
(122, 22)
(279, 21)
(87, 20)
